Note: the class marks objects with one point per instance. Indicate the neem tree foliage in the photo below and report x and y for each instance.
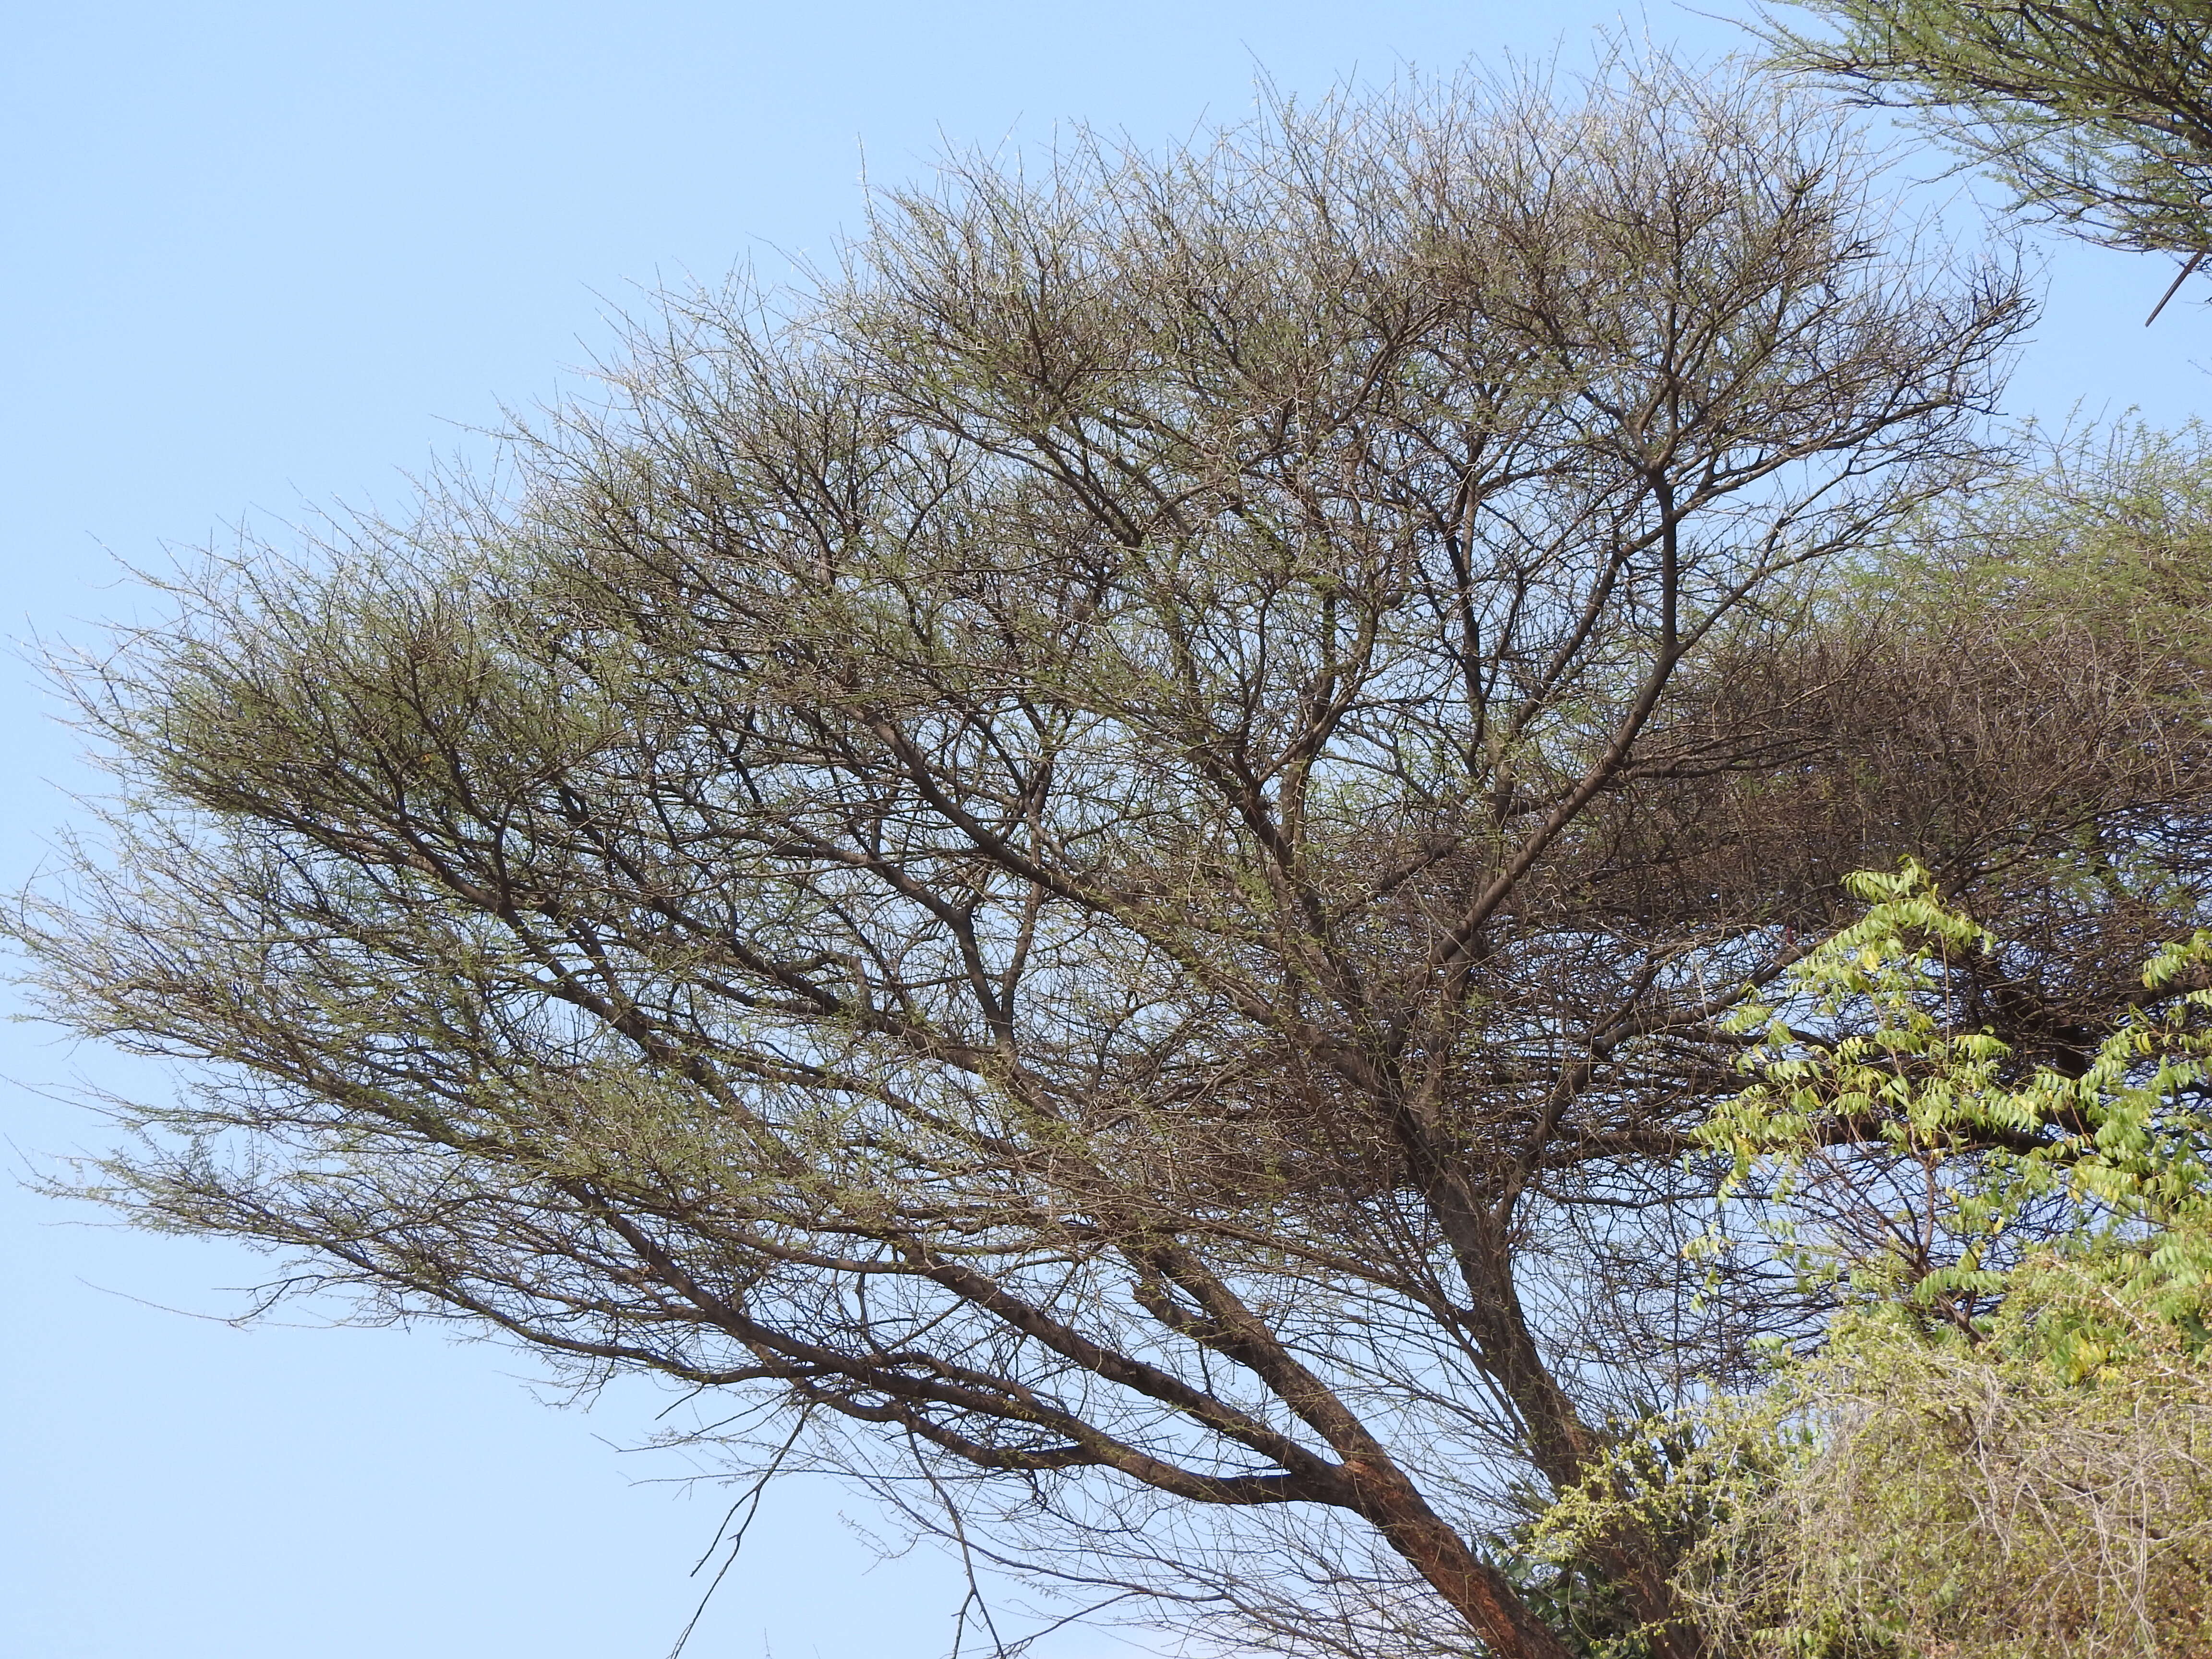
(1096, 871)
(2002, 1444)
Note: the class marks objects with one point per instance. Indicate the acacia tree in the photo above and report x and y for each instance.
(1095, 868)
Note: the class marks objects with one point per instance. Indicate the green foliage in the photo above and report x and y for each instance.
(2103, 534)
(1864, 1056)
(2004, 1443)
(1898, 1496)
(1655, 1478)
(2098, 113)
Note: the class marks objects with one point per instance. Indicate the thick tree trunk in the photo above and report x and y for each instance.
(1477, 1591)
(1561, 1443)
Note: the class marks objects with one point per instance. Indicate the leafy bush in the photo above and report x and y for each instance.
(2003, 1444)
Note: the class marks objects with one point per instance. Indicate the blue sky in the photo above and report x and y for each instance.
(263, 256)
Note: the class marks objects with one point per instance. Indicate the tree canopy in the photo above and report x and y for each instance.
(1099, 870)
(2098, 113)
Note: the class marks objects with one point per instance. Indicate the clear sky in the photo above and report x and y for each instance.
(262, 257)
